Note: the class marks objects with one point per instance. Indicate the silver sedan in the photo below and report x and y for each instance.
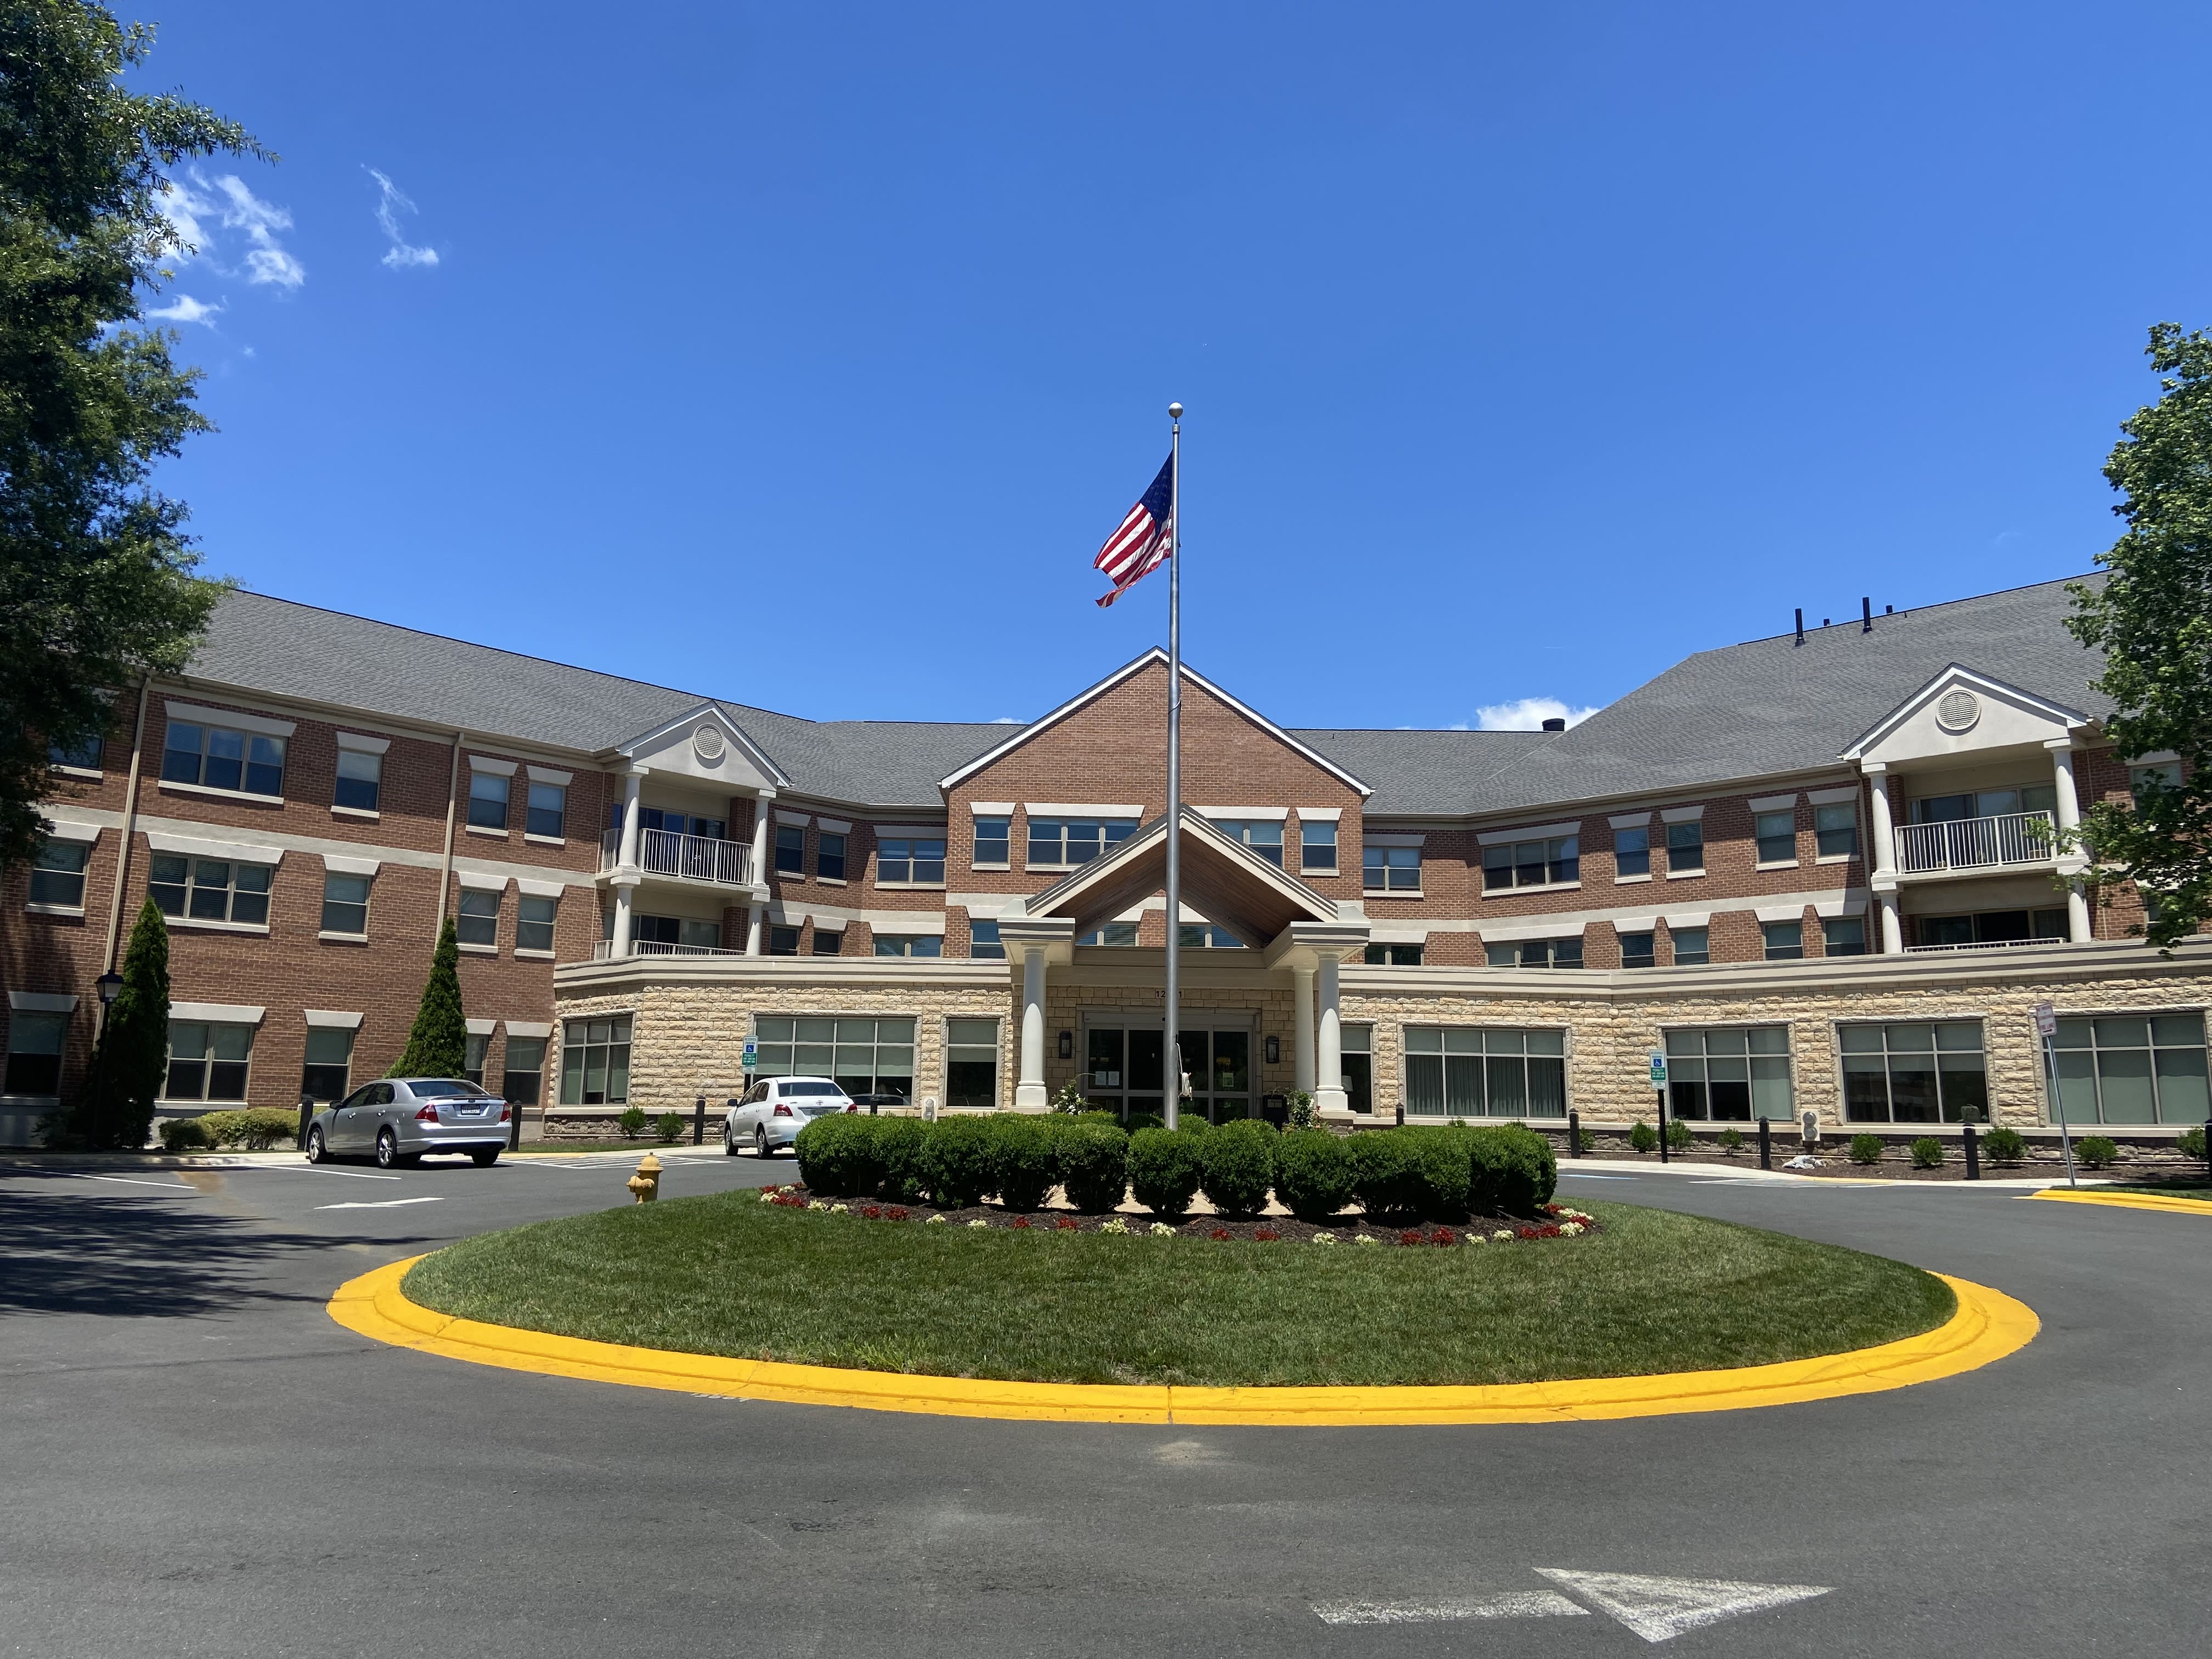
(396, 1120)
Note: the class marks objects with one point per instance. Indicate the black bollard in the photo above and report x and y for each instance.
(1574, 1134)
(1973, 1151)
(2208, 1147)
(1765, 1144)
(699, 1120)
(307, 1112)
(1662, 1125)
(514, 1125)
(1402, 1113)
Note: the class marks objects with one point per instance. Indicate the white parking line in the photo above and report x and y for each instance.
(316, 1169)
(379, 1204)
(166, 1186)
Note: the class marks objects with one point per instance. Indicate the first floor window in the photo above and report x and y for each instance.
(1686, 849)
(360, 781)
(2161, 775)
(1776, 833)
(791, 849)
(58, 873)
(330, 1062)
(488, 793)
(1786, 941)
(217, 758)
(1989, 927)
(595, 1062)
(830, 857)
(994, 846)
(865, 1055)
(1394, 955)
(1532, 863)
(1922, 1072)
(2133, 1069)
(1843, 936)
(983, 941)
(1536, 953)
(1632, 852)
(1111, 933)
(34, 1052)
(1317, 846)
(1202, 936)
(208, 1061)
(1356, 1049)
(971, 1064)
(525, 1064)
(209, 890)
(828, 941)
(1263, 836)
(1728, 1074)
(909, 945)
(1390, 869)
(907, 858)
(345, 904)
(1836, 829)
(548, 810)
(472, 1058)
(533, 922)
(1638, 949)
(1692, 946)
(479, 923)
(1462, 1071)
(783, 941)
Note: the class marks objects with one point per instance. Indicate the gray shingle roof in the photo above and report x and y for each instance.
(1421, 771)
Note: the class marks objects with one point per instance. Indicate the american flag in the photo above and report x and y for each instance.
(1140, 545)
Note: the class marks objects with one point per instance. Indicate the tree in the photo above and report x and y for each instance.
(2152, 617)
(115, 1109)
(438, 1046)
(95, 572)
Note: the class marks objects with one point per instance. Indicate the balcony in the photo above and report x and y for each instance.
(1975, 844)
(1982, 945)
(603, 950)
(687, 857)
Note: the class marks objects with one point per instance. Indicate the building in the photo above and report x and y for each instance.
(1815, 869)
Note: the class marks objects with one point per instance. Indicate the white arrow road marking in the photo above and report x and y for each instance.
(1659, 1608)
(1514, 1604)
(380, 1204)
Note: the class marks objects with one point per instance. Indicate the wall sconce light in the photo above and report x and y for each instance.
(1274, 1051)
(1067, 1045)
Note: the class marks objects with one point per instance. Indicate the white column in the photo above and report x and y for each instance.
(1892, 930)
(1030, 1094)
(626, 866)
(1329, 1096)
(2070, 818)
(626, 849)
(1302, 1042)
(757, 914)
(1884, 862)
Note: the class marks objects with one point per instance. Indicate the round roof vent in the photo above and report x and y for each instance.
(1958, 711)
(707, 743)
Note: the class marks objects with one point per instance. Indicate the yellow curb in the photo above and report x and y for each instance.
(2129, 1200)
(1988, 1326)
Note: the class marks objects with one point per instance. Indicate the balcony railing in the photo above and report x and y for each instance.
(603, 950)
(689, 858)
(1982, 945)
(1975, 843)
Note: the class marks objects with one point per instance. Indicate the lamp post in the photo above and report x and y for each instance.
(109, 985)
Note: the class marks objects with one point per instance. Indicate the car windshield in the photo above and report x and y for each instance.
(804, 1087)
(445, 1088)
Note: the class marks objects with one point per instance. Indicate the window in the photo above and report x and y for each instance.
(209, 890)
(1632, 852)
(1537, 953)
(1356, 1049)
(1729, 1074)
(533, 922)
(1692, 946)
(1390, 869)
(78, 757)
(1200, 936)
(1920, 1072)
(549, 810)
(1843, 936)
(2133, 1070)
(901, 859)
(971, 1064)
(1263, 836)
(526, 1066)
(479, 923)
(1786, 941)
(35, 1053)
(1394, 955)
(675, 823)
(1836, 831)
(207, 1061)
(1686, 849)
(674, 936)
(783, 941)
(360, 781)
(1055, 842)
(1989, 927)
(345, 904)
(867, 1056)
(830, 942)
(1776, 833)
(1317, 846)
(790, 849)
(983, 941)
(595, 1062)
(1638, 949)
(220, 759)
(909, 945)
(1112, 933)
(829, 856)
(1986, 803)
(992, 847)
(1531, 863)
(1458, 1070)
(487, 793)
(2167, 776)
(472, 1056)
(330, 1062)
(58, 873)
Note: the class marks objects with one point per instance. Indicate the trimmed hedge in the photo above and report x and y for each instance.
(1093, 1158)
(899, 1141)
(1164, 1170)
(1513, 1170)
(1385, 1177)
(837, 1155)
(960, 1162)
(1312, 1174)
(1023, 1166)
(184, 1134)
(257, 1128)
(1236, 1166)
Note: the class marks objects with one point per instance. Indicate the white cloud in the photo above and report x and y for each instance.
(403, 254)
(1008, 720)
(1529, 714)
(229, 205)
(185, 309)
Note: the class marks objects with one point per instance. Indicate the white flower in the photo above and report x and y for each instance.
(938, 1220)
(1569, 1228)
(1367, 1238)
(1502, 1234)
(1475, 1238)
(769, 1195)
(979, 1223)
(841, 1209)
(1161, 1229)
(816, 1204)
(1116, 1226)
(1324, 1238)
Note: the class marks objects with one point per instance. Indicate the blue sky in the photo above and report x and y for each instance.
(805, 355)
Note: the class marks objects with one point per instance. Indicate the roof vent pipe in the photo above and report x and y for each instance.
(1801, 624)
(1865, 616)
(1555, 724)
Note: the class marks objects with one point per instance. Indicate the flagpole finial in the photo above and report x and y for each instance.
(1174, 411)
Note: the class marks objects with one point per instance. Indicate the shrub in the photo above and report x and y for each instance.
(1022, 1162)
(1145, 1120)
(1445, 1160)
(1386, 1172)
(257, 1128)
(1511, 1169)
(2004, 1146)
(1300, 1112)
(1312, 1174)
(1643, 1137)
(1236, 1166)
(897, 1143)
(1678, 1135)
(669, 1126)
(1092, 1155)
(1865, 1149)
(2097, 1151)
(1589, 1138)
(959, 1162)
(631, 1123)
(1927, 1154)
(1164, 1170)
(2189, 1143)
(1731, 1141)
(1070, 1099)
(184, 1134)
(837, 1155)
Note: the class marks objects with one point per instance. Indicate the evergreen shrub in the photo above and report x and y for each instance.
(837, 1155)
(1865, 1149)
(1236, 1166)
(669, 1126)
(1444, 1158)
(1512, 1168)
(2007, 1145)
(1731, 1141)
(1313, 1173)
(1164, 1170)
(1678, 1135)
(184, 1134)
(1023, 1166)
(2097, 1151)
(1643, 1137)
(2189, 1143)
(1927, 1154)
(959, 1161)
(897, 1144)
(1092, 1155)
(1386, 1172)
(631, 1122)
(257, 1128)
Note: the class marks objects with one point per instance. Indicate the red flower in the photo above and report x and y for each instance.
(872, 1211)
(1530, 1232)
(1551, 1209)
(1022, 1221)
(1548, 1232)
(1218, 1233)
(1413, 1237)
(1065, 1224)
(896, 1212)
(1266, 1234)
(1444, 1235)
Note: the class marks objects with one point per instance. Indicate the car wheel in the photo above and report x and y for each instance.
(485, 1159)
(315, 1152)
(387, 1149)
(729, 1142)
(760, 1144)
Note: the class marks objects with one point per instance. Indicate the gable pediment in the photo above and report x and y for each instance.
(705, 744)
(1963, 712)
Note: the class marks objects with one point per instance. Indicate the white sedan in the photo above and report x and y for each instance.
(775, 1108)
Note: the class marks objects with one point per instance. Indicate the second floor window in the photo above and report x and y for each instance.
(345, 906)
(1632, 852)
(983, 942)
(1776, 833)
(783, 941)
(209, 890)
(79, 756)
(1686, 849)
(1112, 933)
(533, 922)
(58, 873)
(992, 847)
(1194, 936)
(909, 945)
(1843, 936)
(830, 857)
(1393, 956)
(791, 849)
(488, 793)
(1317, 847)
(1692, 946)
(910, 859)
(1836, 829)
(360, 781)
(1536, 953)
(1786, 941)
(1262, 835)
(549, 810)
(478, 922)
(1390, 869)
(1637, 949)
(218, 758)
(1070, 841)
(1532, 863)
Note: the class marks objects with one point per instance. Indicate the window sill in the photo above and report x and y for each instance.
(46, 1102)
(496, 834)
(910, 886)
(261, 927)
(368, 812)
(1624, 881)
(1684, 875)
(1540, 887)
(175, 788)
(1776, 863)
(76, 910)
(532, 956)
(89, 773)
(833, 881)
(329, 938)
(480, 950)
(1836, 858)
(545, 840)
(1318, 870)
(1391, 893)
(1050, 869)
(999, 866)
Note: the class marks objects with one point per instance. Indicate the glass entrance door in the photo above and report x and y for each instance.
(1124, 1070)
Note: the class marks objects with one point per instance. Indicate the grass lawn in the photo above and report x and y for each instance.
(725, 1274)
(2199, 1189)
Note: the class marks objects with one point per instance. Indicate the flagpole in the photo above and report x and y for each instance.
(1172, 1043)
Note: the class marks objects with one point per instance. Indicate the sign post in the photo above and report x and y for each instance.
(1659, 1088)
(2046, 1027)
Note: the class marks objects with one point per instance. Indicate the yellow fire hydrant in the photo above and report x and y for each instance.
(644, 1185)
